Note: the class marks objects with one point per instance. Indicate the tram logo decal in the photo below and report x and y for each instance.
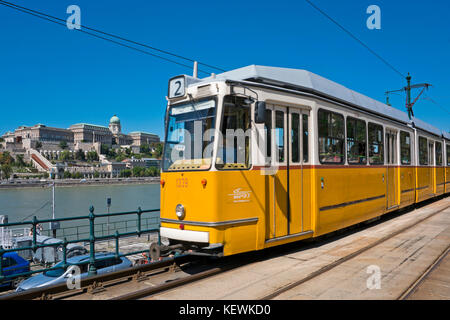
(239, 195)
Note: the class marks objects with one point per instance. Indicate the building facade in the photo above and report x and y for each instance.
(84, 132)
(42, 133)
(139, 138)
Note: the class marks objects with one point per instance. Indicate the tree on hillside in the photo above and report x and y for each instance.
(104, 149)
(79, 155)
(6, 171)
(92, 156)
(158, 150)
(19, 160)
(5, 158)
(63, 144)
(125, 173)
(65, 155)
(138, 172)
(145, 148)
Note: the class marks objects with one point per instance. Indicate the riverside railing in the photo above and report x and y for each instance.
(91, 239)
(79, 231)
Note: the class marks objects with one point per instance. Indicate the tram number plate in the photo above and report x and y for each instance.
(182, 183)
(177, 87)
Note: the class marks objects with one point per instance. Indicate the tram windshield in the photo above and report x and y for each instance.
(189, 136)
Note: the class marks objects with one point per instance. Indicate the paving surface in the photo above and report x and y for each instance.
(436, 286)
(397, 263)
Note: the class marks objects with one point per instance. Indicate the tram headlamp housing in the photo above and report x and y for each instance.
(180, 211)
(260, 112)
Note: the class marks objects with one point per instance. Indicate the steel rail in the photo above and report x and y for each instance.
(171, 285)
(412, 288)
(48, 292)
(348, 257)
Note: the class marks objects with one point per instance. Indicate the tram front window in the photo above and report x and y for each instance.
(189, 136)
(234, 145)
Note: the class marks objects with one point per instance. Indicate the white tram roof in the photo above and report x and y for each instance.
(303, 79)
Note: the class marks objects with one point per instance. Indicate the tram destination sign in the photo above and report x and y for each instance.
(177, 87)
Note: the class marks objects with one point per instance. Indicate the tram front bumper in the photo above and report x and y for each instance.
(185, 235)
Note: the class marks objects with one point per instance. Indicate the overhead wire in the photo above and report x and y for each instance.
(355, 38)
(56, 20)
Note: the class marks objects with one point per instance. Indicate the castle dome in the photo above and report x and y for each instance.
(114, 119)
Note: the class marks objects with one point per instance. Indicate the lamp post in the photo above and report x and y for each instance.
(108, 205)
(54, 225)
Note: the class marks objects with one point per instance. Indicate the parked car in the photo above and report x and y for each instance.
(108, 263)
(13, 264)
(47, 255)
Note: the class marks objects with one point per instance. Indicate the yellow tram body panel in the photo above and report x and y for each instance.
(236, 208)
(407, 185)
(447, 179)
(349, 196)
(439, 180)
(425, 183)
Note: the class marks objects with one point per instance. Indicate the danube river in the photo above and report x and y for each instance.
(24, 203)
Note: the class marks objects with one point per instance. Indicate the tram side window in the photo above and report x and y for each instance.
(438, 152)
(305, 138)
(268, 129)
(448, 154)
(356, 141)
(279, 134)
(295, 137)
(331, 137)
(376, 145)
(234, 151)
(405, 147)
(423, 151)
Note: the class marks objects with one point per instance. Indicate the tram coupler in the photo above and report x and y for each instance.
(156, 251)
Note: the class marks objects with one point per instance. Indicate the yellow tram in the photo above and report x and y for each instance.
(262, 156)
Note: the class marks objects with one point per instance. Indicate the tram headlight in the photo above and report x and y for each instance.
(180, 211)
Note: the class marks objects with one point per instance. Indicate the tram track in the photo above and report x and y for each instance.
(148, 281)
(98, 283)
(424, 276)
(155, 291)
(357, 253)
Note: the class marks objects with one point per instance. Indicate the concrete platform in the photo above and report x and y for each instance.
(401, 260)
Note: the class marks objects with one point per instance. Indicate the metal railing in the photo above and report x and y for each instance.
(101, 229)
(90, 237)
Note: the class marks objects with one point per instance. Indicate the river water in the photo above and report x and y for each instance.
(24, 203)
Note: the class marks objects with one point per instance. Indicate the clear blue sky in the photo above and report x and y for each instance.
(51, 75)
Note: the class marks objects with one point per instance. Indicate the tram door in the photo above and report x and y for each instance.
(430, 170)
(392, 171)
(284, 212)
(276, 177)
(299, 206)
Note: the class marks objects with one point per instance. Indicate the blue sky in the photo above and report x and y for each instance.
(58, 77)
